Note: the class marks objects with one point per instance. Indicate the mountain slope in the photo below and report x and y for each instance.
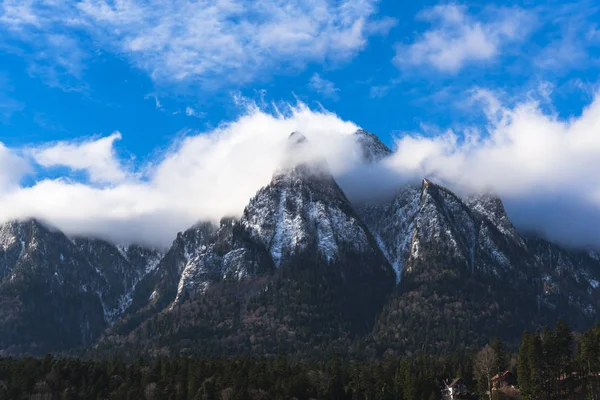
(49, 294)
(373, 149)
(121, 269)
(467, 274)
(298, 268)
(57, 293)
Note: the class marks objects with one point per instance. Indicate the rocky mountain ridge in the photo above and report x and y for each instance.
(301, 269)
(62, 290)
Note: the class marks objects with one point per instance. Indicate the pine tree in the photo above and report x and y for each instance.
(564, 352)
(408, 380)
(335, 388)
(536, 361)
(549, 368)
(398, 383)
(523, 368)
(589, 356)
(498, 347)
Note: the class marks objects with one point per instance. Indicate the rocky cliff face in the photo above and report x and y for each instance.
(120, 268)
(373, 149)
(57, 293)
(49, 293)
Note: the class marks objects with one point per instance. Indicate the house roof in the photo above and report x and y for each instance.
(455, 382)
(496, 377)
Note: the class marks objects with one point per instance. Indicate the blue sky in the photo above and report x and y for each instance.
(61, 79)
(72, 73)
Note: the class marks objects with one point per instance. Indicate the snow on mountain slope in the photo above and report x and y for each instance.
(159, 287)
(224, 256)
(444, 227)
(310, 209)
(567, 275)
(199, 257)
(121, 267)
(431, 227)
(302, 209)
(490, 207)
(431, 224)
(393, 224)
(12, 246)
(49, 292)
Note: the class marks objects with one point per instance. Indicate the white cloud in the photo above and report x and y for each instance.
(324, 87)
(535, 160)
(570, 47)
(13, 168)
(209, 42)
(19, 13)
(382, 26)
(190, 112)
(201, 177)
(97, 157)
(457, 37)
(545, 168)
(378, 91)
(156, 100)
(53, 50)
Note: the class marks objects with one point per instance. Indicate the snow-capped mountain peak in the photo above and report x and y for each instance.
(301, 208)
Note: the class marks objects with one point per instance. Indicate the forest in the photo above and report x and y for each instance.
(553, 363)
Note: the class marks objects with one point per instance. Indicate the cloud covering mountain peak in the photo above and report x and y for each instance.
(544, 168)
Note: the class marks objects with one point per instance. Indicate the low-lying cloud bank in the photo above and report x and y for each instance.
(201, 177)
(545, 169)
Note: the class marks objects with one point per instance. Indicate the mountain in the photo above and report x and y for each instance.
(465, 274)
(57, 293)
(299, 268)
(302, 271)
(304, 220)
(373, 149)
(121, 269)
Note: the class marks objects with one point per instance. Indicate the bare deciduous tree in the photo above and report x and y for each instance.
(484, 366)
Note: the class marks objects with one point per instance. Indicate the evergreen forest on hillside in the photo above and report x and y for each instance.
(549, 364)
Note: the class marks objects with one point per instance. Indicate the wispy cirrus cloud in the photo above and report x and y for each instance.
(192, 112)
(157, 102)
(205, 42)
(324, 87)
(8, 104)
(570, 46)
(457, 37)
(48, 36)
(378, 91)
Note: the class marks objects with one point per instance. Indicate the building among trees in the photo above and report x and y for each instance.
(455, 390)
(503, 379)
